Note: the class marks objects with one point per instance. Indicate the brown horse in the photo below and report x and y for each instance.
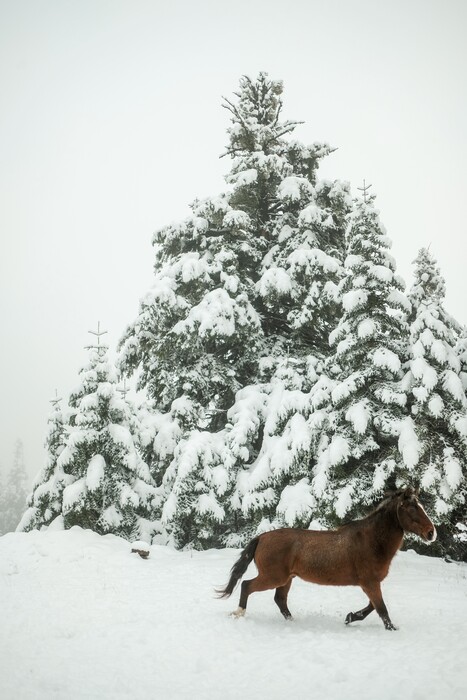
(356, 554)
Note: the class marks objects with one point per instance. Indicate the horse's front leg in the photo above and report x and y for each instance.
(373, 591)
(360, 614)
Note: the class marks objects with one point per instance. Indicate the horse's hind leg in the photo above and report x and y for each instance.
(360, 614)
(259, 583)
(280, 599)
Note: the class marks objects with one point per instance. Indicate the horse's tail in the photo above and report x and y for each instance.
(239, 568)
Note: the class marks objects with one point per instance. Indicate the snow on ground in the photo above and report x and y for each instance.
(82, 618)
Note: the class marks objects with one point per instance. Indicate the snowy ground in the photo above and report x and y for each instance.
(84, 618)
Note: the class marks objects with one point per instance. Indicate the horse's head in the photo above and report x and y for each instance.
(412, 516)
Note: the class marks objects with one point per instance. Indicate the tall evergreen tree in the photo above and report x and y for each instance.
(297, 222)
(298, 296)
(45, 501)
(437, 400)
(210, 325)
(358, 449)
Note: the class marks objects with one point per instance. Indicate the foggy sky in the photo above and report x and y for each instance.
(111, 124)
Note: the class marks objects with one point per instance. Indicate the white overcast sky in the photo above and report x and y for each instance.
(110, 124)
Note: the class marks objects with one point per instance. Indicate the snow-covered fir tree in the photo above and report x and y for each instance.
(195, 343)
(298, 297)
(45, 501)
(283, 381)
(112, 490)
(230, 286)
(357, 454)
(437, 439)
(294, 220)
(273, 488)
(14, 494)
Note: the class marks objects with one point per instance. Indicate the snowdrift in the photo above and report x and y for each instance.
(84, 617)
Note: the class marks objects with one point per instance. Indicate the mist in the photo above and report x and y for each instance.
(111, 124)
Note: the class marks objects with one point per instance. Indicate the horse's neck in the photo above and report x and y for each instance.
(388, 533)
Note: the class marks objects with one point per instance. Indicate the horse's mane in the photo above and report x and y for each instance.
(391, 496)
(389, 499)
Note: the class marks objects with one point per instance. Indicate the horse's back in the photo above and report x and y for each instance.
(318, 556)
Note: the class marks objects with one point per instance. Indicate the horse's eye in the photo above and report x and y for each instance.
(413, 507)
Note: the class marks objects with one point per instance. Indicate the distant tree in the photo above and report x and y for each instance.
(2, 507)
(13, 500)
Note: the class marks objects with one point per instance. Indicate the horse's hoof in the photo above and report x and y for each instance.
(239, 612)
(389, 626)
(349, 618)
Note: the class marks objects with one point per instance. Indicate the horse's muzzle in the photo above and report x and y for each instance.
(431, 535)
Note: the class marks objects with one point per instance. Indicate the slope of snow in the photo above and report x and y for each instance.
(84, 618)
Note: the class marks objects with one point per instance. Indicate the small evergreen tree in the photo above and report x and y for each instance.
(112, 490)
(45, 501)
